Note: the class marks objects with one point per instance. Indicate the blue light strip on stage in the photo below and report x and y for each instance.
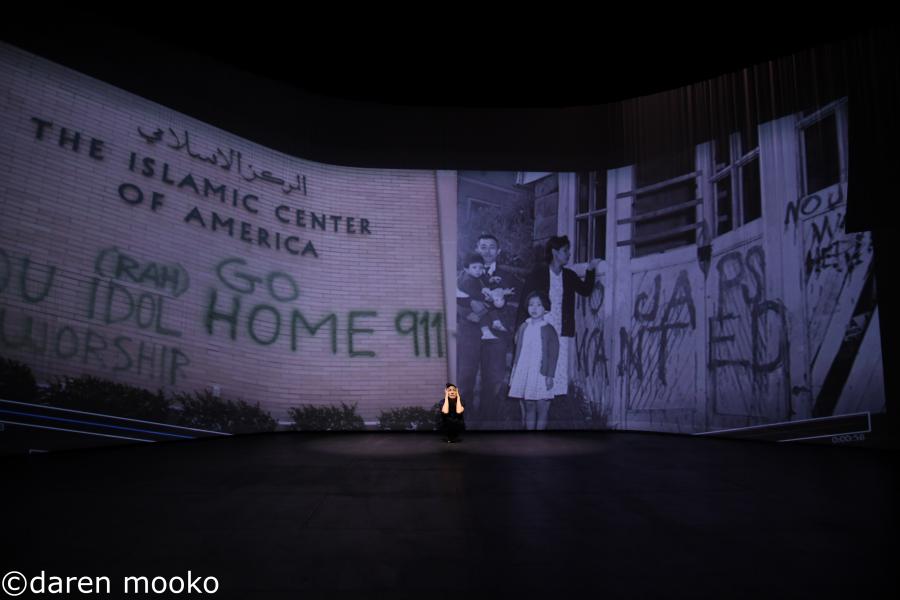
(80, 422)
(106, 435)
(93, 414)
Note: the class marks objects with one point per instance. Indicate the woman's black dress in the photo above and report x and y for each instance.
(452, 423)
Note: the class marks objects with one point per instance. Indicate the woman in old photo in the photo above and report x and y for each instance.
(560, 284)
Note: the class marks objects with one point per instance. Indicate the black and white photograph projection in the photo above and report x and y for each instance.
(711, 290)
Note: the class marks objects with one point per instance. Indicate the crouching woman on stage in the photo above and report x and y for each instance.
(452, 422)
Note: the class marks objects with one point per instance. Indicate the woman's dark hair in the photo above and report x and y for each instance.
(542, 295)
(557, 242)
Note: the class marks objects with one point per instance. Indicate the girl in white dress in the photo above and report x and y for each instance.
(534, 365)
(561, 285)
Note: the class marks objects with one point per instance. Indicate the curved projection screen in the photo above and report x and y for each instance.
(163, 279)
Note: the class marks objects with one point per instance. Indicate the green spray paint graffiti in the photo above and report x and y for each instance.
(109, 302)
(266, 323)
(112, 302)
(112, 263)
(28, 281)
(418, 324)
(38, 337)
(118, 304)
(255, 305)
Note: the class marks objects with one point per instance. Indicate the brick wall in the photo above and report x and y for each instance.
(183, 273)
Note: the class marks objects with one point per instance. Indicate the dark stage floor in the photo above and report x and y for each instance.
(596, 515)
